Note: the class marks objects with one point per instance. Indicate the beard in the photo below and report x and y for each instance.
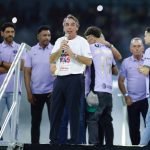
(9, 39)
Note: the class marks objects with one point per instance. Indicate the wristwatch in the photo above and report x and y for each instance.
(126, 94)
(111, 45)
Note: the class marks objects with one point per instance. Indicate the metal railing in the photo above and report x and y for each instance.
(13, 110)
(124, 122)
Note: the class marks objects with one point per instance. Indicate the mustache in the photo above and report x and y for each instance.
(10, 36)
(46, 40)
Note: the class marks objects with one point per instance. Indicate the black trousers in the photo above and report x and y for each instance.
(67, 91)
(36, 115)
(134, 111)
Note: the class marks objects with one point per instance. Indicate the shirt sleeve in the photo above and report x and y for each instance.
(28, 60)
(147, 58)
(123, 71)
(56, 46)
(86, 49)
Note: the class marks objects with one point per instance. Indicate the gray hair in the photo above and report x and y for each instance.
(136, 39)
(73, 18)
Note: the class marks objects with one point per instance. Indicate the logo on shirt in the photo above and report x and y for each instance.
(146, 58)
(64, 58)
(14, 51)
(104, 86)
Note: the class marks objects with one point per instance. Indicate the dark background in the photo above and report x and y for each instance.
(120, 20)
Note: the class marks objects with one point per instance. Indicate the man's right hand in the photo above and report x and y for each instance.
(128, 100)
(64, 45)
(102, 41)
(31, 99)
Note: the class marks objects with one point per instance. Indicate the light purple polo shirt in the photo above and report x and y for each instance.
(103, 60)
(136, 81)
(41, 78)
(7, 54)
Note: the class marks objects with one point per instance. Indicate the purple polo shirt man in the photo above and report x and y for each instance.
(135, 91)
(7, 54)
(8, 50)
(38, 60)
(39, 80)
(136, 82)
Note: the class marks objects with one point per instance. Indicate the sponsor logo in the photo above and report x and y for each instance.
(64, 58)
(14, 51)
(104, 86)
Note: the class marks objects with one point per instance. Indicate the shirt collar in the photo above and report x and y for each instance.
(41, 48)
(134, 59)
(4, 45)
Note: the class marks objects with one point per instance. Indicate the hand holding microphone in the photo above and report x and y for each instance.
(66, 49)
(63, 45)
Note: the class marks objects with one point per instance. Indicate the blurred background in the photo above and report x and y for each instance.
(120, 20)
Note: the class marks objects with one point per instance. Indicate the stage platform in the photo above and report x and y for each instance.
(21, 146)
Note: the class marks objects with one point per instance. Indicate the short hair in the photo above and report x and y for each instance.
(43, 27)
(93, 30)
(6, 25)
(70, 16)
(148, 29)
(136, 39)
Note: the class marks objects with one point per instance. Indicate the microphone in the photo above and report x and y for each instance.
(66, 36)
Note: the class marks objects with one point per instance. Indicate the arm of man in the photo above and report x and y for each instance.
(115, 52)
(27, 80)
(54, 57)
(114, 70)
(7, 65)
(3, 70)
(53, 68)
(82, 59)
(123, 90)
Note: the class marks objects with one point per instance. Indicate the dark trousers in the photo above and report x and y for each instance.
(67, 91)
(101, 120)
(63, 131)
(36, 115)
(134, 111)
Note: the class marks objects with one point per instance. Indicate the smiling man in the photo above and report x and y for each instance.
(71, 54)
(8, 51)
